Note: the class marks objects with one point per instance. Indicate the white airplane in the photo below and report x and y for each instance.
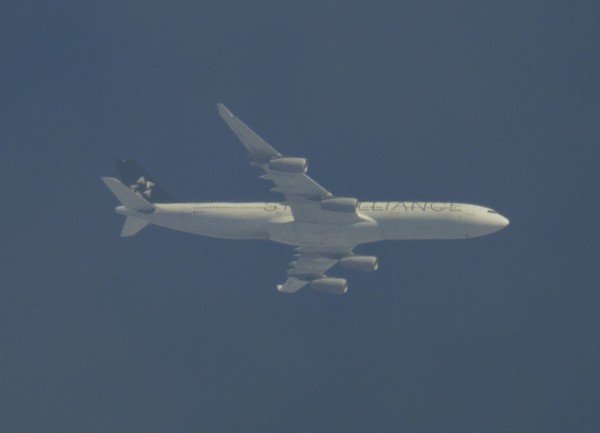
(323, 227)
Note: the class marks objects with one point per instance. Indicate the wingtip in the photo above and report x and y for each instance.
(223, 111)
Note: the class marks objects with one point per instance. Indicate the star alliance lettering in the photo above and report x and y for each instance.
(407, 206)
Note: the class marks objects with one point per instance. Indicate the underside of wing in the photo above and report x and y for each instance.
(310, 265)
(309, 269)
(308, 201)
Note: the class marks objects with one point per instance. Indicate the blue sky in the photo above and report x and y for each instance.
(495, 104)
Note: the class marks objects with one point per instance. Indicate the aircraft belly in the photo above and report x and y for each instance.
(214, 225)
(423, 228)
(324, 235)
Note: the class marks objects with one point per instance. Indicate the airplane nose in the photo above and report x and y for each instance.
(500, 221)
(482, 224)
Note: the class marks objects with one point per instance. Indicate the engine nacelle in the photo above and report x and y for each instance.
(339, 204)
(289, 165)
(336, 286)
(360, 263)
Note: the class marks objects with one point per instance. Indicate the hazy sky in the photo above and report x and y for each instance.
(482, 102)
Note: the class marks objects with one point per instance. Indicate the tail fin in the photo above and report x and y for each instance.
(138, 179)
(128, 198)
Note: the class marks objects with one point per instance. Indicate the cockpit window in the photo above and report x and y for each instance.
(491, 211)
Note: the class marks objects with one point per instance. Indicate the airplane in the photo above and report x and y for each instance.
(323, 228)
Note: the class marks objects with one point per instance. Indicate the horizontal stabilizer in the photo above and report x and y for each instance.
(133, 225)
(126, 196)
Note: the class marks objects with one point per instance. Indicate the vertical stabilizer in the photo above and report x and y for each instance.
(138, 179)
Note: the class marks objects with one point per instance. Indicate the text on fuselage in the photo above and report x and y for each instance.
(407, 206)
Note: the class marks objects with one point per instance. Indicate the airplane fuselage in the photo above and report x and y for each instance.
(274, 221)
(324, 227)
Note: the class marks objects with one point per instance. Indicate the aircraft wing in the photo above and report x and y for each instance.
(308, 266)
(302, 194)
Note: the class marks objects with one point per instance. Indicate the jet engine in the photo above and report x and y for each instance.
(360, 263)
(337, 286)
(339, 204)
(289, 165)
